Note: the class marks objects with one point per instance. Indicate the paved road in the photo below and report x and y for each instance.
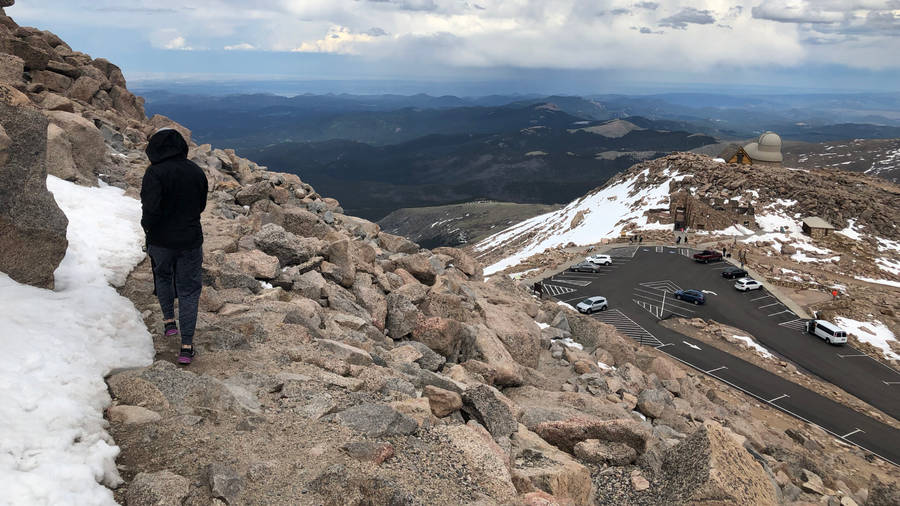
(639, 285)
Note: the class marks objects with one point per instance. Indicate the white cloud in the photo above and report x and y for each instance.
(169, 38)
(338, 40)
(243, 46)
(687, 35)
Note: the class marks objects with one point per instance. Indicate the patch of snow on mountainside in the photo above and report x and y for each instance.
(778, 226)
(874, 332)
(56, 346)
(604, 212)
(887, 282)
(889, 265)
(851, 231)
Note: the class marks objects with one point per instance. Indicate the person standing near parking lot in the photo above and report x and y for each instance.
(173, 195)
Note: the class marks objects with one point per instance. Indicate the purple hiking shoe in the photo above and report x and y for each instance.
(171, 329)
(186, 355)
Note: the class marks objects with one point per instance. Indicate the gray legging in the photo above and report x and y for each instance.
(177, 273)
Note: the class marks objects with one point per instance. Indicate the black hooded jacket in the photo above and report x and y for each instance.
(173, 194)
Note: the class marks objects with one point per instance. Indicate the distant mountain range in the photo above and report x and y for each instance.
(551, 158)
(379, 153)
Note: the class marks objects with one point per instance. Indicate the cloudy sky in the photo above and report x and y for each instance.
(550, 44)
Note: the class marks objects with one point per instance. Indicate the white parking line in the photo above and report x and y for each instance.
(853, 432)
(854, 355)
(788, 411)
(657, 300)
(627, 326)
(782, 396)
(781, 312)
(716, 369)
(889, 383)
(576, 282)
(664, 345)
(795, 324)
(760, 298)
(768, 305)
(556, 291)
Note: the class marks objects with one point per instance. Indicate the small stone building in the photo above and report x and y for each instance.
(709, 213)
(816, 227)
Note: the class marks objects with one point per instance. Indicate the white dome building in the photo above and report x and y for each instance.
(766, 149)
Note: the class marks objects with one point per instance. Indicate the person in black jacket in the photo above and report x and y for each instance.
(173, 195)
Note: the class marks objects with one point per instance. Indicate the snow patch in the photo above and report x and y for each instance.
(605, 213)
(888, 264)
(605, 367)
(761, 350)
(887, 282)
(57, 346)
(851, 231)
(566, 305)
(875, 333)
(567, 341)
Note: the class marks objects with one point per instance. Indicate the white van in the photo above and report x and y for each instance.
(828, 332)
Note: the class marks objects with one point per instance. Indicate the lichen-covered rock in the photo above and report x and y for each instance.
(162, 488)
(32, 227)
(488, 406)
(710, 466)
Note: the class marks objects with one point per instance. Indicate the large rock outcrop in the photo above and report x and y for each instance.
(32, 227)
(709, 467)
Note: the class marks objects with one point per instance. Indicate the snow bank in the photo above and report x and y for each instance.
(875, 333)
(55, 349)
(879, 281)
(761, 350)
(888, 264)
(568, 342)
(851, 231)
(604, 213)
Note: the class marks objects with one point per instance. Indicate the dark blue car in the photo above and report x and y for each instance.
(695, 296)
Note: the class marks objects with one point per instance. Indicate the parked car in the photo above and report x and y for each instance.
(695, 296)
(592, 305)
(828, 332)
(706, 256)
(585, 267)
(734, 272)
(600, 259)
(747, 284)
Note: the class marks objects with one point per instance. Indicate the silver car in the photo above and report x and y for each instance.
(592, 305)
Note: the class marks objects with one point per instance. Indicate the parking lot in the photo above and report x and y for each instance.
(639, 287)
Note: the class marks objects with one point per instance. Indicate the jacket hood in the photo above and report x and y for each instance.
(166, 143)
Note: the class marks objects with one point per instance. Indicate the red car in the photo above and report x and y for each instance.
(706, 256)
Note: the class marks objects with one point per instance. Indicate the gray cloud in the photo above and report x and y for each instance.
(832, 18)
(409, 5)
(376, 32)
(651, 6)
(140, 10)
(647, 30)
(686, 16)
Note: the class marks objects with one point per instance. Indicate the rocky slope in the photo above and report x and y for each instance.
(339, 364)
(877, 157)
